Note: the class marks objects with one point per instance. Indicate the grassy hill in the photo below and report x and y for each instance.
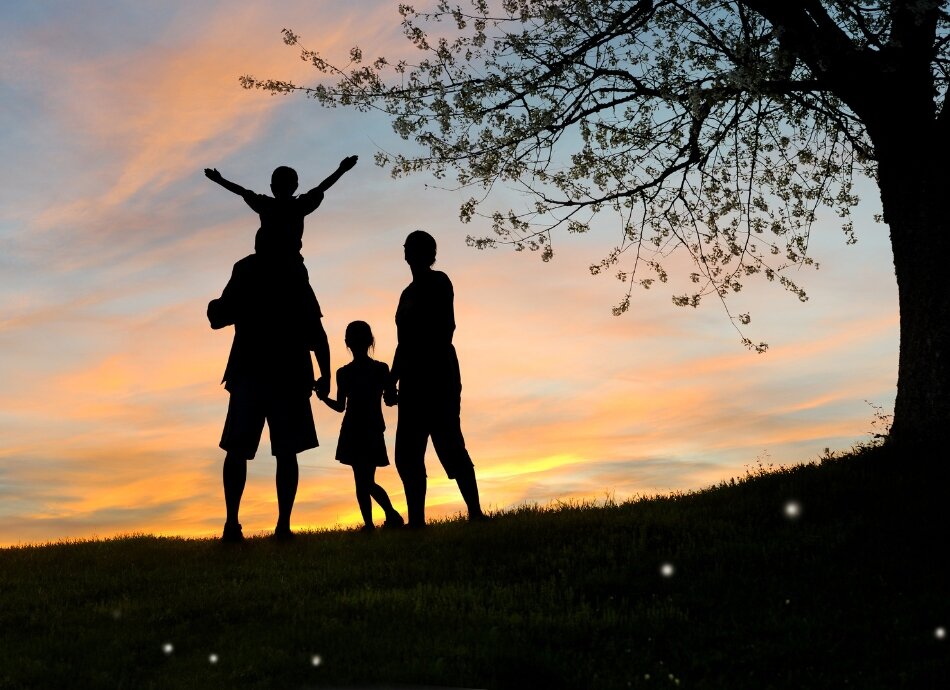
(851, 592)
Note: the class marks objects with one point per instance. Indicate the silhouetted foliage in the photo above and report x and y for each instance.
(713, 128)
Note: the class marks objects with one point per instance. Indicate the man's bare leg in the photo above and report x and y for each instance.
(288, 474)
(234, 476)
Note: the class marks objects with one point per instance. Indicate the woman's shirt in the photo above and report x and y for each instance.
(425, 323)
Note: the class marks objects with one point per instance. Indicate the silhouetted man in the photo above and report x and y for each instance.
(269, 376)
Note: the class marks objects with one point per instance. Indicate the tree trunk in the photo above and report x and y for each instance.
(914, 187)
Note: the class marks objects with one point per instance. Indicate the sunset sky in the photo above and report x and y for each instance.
(112, 242)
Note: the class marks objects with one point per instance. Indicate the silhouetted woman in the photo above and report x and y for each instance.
(426, 369)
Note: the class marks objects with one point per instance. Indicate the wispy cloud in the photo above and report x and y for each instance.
(112, 242)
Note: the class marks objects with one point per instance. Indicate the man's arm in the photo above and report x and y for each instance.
(224, 310)
(345, 165)
(213, 175)
(321, 350)
(219, 314)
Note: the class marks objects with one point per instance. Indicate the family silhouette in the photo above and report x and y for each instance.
(269, 374)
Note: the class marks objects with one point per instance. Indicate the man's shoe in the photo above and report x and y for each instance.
(478, 517)
(232, 533)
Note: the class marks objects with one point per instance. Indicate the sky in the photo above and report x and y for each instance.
(112, 242)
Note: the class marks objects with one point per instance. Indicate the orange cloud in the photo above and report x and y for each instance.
(169, 109)
(111, 403)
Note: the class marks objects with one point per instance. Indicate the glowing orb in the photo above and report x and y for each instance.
(168, 648)
(793, 509)
(940, 633)
(316, 660)
(666, 570)
(212, 658)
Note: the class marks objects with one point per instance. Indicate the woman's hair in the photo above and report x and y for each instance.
(359, 336)
(421, 244)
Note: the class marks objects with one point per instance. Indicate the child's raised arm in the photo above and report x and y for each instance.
(345, 165)
(213, 175)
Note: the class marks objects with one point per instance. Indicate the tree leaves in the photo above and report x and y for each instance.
(708, 129)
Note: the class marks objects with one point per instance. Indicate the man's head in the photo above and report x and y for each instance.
(283, 182)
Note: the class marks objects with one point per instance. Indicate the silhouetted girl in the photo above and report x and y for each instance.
(360, 386)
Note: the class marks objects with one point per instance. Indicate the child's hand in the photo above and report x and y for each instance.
(322, 388)
(213, 174)
(348, 163)
(391, 397)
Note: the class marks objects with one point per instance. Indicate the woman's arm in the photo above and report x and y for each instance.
(390, 393)
(443, 311)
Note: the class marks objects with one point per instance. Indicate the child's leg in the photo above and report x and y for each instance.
(379, 494)
(364, 483)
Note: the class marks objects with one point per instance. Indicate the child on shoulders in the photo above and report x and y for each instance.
(282, 215)
(279, 239)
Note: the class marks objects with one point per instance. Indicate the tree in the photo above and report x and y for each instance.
(717, 129)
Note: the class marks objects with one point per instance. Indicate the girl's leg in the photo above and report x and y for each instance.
(381, 497)
(363, 477)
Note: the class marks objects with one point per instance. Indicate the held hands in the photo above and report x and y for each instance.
(322, 388)
(213, 174)
(348, 163)
(391, 397)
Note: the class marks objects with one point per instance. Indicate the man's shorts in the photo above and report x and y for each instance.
(289, 419)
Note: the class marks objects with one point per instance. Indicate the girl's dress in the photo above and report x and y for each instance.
(361, 434)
